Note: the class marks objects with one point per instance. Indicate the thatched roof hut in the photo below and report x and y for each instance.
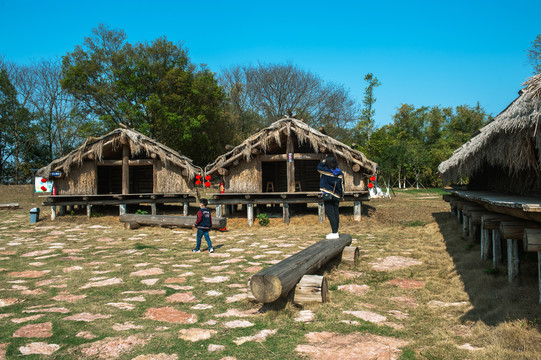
(505, 155)
(283, 157)
(122, 161)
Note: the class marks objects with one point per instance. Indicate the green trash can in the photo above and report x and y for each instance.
(34, 215)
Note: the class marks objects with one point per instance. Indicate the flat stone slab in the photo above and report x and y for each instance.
(356, 346)
(43, 330)
(392, 263)
(355, 289)
(408, 283)
(168, 314)
(196, 334)
(186, 297)
(112, 348)
(87, 317)
(259, 337)
(39, 348)
(161, 356)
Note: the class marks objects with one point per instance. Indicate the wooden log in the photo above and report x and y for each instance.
(223, 171)
(153, 208)
(350, 255)
(311, 289)
(514, 229)
(53, 212)
(321, 211)
(277, 281)
(486, 242)
(249, 295)
(185, 207)
(513, 263)
(532, 240)
(357, 210)
(539, 273)
(11, 206)
(474, 224)
(169, 220)
(122, 209)
(356, 167)
(492, 221)
(219, 210)
(89, 211)
(125, 169)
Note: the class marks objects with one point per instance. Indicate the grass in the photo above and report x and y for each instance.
(499, 318)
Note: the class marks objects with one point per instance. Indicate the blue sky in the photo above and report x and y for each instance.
(423, 52)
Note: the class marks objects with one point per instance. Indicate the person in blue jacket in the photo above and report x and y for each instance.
(331, 184)
(203, 224)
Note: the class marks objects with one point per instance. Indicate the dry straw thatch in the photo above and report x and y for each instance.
(511, 142)
(139, 145)
(275, 134)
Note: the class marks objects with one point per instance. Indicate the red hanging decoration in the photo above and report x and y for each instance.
(43, 180)
(207, 184)
(43, 188)
(370, 185)
(198, 182)
(198, 177)
(207, 177)
(373, 178)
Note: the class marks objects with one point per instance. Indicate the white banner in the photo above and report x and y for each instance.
(42, 185)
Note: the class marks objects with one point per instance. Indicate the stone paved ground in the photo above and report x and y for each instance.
(88, 288)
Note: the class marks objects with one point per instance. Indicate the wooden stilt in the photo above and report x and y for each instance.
(62, 210)
(153, 208)
(512, 260)
(539, 273)
(250, 211)
(122, 209)
(53, 212)
(496, 249)
(219, 210)
(321, 211)
(486, 243)
(357, 210)
(185, 208)
(285, 209)
(89, 211)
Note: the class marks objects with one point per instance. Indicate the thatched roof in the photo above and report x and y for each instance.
(274, 135)
(511, 142)
(139, 145)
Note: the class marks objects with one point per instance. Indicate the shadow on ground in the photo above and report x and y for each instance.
(494, 299)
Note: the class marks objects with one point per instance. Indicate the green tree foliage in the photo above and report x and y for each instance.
(534, 55)
(419, 139)
(366, 124)
(151, 87)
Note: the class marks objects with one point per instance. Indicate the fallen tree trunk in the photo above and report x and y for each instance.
(276, 281)
(169, 220)
(12, 206)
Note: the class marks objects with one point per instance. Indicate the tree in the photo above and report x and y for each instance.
(273, 91)
(151, 87)
(366, 124)
(534, 55)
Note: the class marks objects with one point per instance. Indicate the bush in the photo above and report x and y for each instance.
(263, 219)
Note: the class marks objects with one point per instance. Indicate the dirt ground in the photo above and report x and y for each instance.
(81, 287)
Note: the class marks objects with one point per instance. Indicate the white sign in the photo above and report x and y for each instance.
(42, 185)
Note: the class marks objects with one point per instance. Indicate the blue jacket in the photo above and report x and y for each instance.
(332, 180)
(204, 220)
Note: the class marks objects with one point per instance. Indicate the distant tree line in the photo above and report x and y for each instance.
(49, 107)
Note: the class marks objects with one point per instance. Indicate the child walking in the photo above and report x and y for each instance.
(203, 223)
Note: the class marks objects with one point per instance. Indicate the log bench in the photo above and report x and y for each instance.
(133, 221)
(277, 281)
(12, 206)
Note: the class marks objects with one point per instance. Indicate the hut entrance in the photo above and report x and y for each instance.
(274, 176)
(110, 179)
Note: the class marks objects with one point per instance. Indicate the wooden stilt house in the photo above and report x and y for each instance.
(119, 168)
(278, 165)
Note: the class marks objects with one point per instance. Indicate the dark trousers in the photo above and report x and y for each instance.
(200, 234)
(331, 210)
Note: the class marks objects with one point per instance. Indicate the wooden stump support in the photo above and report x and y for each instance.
(321, 211)
(350, 255)
(311, 289)
(357, 210)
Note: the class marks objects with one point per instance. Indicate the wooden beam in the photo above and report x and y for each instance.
(356, 167)
(514, 229)
(532, 240)
(296, 156)
(492, 221)
(277, 281)
(223, 171)
(169, 220)
(11, 206)
(125, 169)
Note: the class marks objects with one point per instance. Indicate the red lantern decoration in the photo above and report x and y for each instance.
(198, 182)
(373, 178)
(370, 185)
(43, 188)
(207, 184)
(43, 180)
(198, 177)
(207, 177)
(222, 188)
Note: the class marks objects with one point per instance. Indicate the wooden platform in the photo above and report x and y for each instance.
(524, 207)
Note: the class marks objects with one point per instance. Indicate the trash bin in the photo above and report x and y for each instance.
(34, 215)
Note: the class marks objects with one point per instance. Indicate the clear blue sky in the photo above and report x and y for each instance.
(445, 53)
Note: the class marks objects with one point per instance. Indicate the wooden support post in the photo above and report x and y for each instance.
(311, 289)
(321, 211)
(285, 210)
(125, 169)
(62, 210)
(539, 273)
(250, 211)
(486, 243)
(225, 211)
(153, 208)
(350, 255)
(465, 225)
(169, 220)
(53, 212)
(496, 249)
(122, 209)
(219, 210)
(357, 210)
(185, 208)
(475, 219)
(290, 148)
(512, 260)
(89, 210)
